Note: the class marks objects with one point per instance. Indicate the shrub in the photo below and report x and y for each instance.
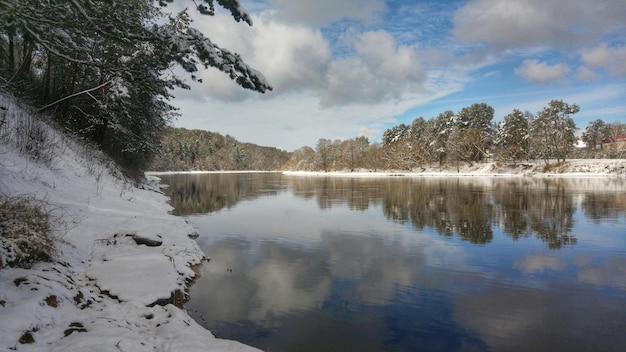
(25, 232)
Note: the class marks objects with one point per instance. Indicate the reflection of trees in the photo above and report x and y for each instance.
(552, 214)
(514, 204)
(604, 206)
(205, 193)
(543, 207)
(466, 207)
(449, 205)
(356, 193)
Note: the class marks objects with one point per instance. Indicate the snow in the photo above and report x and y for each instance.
(103, 290)
(571, 168)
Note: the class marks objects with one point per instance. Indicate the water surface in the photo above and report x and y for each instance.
(409, 264)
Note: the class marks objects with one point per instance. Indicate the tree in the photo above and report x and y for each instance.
(103, 69)
(616, 132)
(351, 153)
(553, 130)
(513, 136)
(595, 133)
(419, 139)
(439, 132)
(398, 155)
(301, 159)
(475, 132)
(395, 133)
(325, 157)
(455, 147)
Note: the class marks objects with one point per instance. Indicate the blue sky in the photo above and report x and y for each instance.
(347, 68)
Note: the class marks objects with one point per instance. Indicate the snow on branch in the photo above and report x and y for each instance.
(236, 10)
(207, 7)
(210, 55)
(86, 91)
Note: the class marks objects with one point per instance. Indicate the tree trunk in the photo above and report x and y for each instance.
(11, 53)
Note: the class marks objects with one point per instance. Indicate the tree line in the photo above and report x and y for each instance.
(182, 149)
(467, 137)
(104, 70)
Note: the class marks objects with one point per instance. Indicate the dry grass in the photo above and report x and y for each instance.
(31, 134)
(26, 232)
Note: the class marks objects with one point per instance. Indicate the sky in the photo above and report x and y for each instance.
(342, 69)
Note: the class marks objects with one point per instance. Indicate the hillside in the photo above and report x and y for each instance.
(183, 150)
(88, 260)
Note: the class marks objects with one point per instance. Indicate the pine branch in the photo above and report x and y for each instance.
(87, 91)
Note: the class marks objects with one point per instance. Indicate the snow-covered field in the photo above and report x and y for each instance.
(99, 292)
(120, 257)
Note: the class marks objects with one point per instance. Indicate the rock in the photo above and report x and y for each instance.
(150, 242)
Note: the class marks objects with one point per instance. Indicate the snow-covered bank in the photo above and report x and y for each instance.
(120, 257)
(157, 173)
(571, 168)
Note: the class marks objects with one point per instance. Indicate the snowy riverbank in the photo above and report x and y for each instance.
(119, 259)
(570, 168)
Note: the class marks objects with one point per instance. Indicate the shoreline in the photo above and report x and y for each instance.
(118, 263)
(570, 168)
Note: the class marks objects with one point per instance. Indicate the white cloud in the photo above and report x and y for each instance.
(538, 263)
(294, 120)
(382, 70)
(291, 57)
(584, 74)
(536, 23)
(613, 59)
(321, 12)
(541, 72)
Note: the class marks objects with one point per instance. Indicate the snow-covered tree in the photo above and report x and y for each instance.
(513, 136)
(104, 69)
(396, 133)
(419, 138)
(553, 129)
(439, 132)
(475, 131)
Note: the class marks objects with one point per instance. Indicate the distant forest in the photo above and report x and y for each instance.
(182, 150)
(449, 140)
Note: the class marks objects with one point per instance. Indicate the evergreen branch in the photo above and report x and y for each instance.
(87, 91)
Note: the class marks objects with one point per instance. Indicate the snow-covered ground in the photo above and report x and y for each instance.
(570, 168)
(103, 291)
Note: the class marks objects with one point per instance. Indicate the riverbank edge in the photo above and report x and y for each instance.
(119, 266)
(569, 168)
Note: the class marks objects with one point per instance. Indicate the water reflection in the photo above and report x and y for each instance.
(309, 264)
(351, 293)
(205, 193)
(466, 207)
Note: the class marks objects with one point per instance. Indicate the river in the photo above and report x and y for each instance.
(408, 263)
